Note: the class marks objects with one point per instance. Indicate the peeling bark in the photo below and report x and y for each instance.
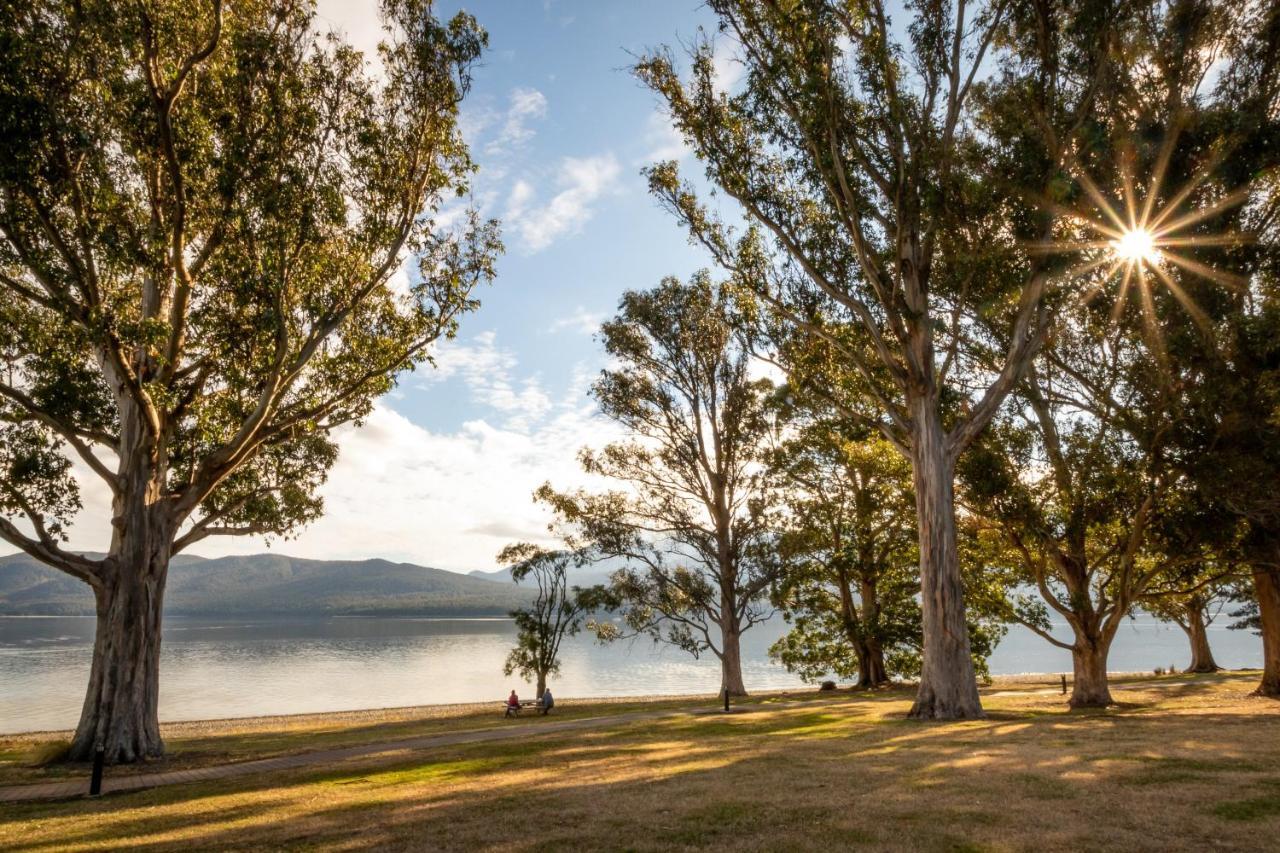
(948, 684)
(731, 662)
(120, 713)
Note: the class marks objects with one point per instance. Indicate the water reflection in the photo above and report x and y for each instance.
(230, 668)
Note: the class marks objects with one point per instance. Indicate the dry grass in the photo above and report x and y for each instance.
(1188, 763)
(30, 758)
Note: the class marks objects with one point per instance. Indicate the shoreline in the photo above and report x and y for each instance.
(450, 710)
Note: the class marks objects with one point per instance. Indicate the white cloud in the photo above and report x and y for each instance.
(727, 67)
(476, 117)
(758, 368)
(357, 23)
(449, 499)
(582, 181)
(664, 139)
(521, 194)
(446, 499)
(581, 320)
(524, 106)
(488, 371)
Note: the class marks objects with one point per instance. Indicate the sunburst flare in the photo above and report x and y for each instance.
(1136, 245)
(1142, 243)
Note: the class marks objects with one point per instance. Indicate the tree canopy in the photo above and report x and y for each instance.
(205, 210)
(690, 516)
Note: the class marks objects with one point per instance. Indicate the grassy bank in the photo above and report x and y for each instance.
(32, 758)
(1186, 763)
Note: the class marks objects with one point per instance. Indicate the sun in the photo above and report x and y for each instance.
(1143, 243)
(1136, 246)
(1147, 240)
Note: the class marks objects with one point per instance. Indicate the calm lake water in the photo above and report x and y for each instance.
(237, 668)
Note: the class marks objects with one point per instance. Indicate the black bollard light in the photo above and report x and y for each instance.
(726, 700)
(1064, 684)
(95, 781)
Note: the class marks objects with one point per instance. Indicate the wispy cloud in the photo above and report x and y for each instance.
(581, 320)
(581, 182)
(489, 373)
(524, 106)
(726, 64)
(663, 139)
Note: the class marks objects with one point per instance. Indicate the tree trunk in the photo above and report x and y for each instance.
(731, 661)
(871, 668)
(120, 713)
(1201, 655)
(872, 671)
(1266, 585)
(948, 684)
(1090, 688)
(121, 707)
(542, 685)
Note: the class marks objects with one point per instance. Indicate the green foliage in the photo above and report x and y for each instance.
(850, 587)
(897, 179)
(202, 213)
(890, 177)
(691, 520)
(557, 610)
(1090, 487)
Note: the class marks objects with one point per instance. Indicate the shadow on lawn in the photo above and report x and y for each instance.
(194, 750)
(808, 776)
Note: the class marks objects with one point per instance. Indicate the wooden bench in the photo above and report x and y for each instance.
(513, 711)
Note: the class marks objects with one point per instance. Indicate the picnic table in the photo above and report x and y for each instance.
(514, 711)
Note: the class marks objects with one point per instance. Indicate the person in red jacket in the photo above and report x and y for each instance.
(513, 704)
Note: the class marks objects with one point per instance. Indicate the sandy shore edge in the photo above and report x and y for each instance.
(364, 716)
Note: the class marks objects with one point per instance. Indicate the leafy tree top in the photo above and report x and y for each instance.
(893, 179)
(203, 210)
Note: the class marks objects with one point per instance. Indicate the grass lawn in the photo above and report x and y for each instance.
(1186, 763)
(206, 742)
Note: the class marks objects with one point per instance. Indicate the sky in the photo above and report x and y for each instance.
(442, 472)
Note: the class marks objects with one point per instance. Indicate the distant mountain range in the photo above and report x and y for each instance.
(275, 584)
(585, 576)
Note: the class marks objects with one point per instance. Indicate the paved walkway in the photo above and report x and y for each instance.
(67, 789)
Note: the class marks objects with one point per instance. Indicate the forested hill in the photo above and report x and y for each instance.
(273, 583)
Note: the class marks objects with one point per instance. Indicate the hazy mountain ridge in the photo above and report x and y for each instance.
(272, 583)
(589, 575)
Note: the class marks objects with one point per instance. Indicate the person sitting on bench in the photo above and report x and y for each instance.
(548, 701)
(513, 704)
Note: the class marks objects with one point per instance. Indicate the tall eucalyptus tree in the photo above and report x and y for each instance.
(890, 173)
(203, 207)
(689, 515)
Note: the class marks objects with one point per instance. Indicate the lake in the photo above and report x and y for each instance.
(236, 668)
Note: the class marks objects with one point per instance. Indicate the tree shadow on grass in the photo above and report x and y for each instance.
(773, 793)
(808, 777)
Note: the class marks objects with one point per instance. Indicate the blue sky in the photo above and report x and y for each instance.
(561, 130)
(442, 472)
